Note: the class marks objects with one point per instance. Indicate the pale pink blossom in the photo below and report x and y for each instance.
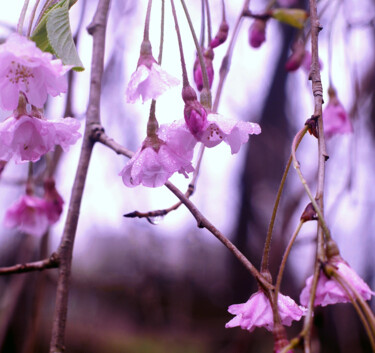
(28, 214)
(160, 157)
(198, 75)
(257, 33)
(233, 132)
(335, 117)
(27, 138)
(25, 68)
(149, 83)
(257, 312)
(329, 291)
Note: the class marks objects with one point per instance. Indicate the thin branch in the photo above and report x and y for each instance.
(97, 29)
(51, 262)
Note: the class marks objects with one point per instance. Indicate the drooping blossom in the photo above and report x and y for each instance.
(329, 291)
(208, 57)
(257, 312)
(335, 117)
(257, 33)
(211, 129)
(149, 81)
(53, 201)
(27, 138)
(160, 157)
(232, 132)
(25, 68)
(28, 214)
(221, 35)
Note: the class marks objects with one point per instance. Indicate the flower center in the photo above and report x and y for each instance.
(19, 74)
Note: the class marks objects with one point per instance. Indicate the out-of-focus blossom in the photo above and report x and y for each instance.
(28, 214)
(221, 35)
(160, 157)
(27, 138)
(257, 33)
(234, 133)
(53, 201)
(292, 17)
(208, 57)
(329, 291)
(297, 57)
(335, 117)
(25, 68)
(257, 312)
(149, 81)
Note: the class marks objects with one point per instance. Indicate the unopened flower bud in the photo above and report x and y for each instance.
(194, 113)
(280, 338)
(296, 59)
(257, 33)
(208, 57)
(309, 213)
(221, 35)
(54, 202)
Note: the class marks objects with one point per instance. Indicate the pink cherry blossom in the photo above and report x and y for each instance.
(329, 291)
(27, 138)
(25, 68)
(155, 162)
(149, 83)
(257, 312)
(198, 75)
(257, 33)
(28, 214)
(335, 117)
(233, 132)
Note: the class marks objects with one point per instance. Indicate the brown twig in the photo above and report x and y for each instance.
(50, 262)
(97, 29)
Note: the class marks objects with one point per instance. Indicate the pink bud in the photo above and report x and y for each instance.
(54, 202)
(208, 56)
(297, 57)
(221, 35)
(194, 113)
(257, 33)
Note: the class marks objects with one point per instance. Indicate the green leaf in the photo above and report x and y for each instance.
(53, 34)
(292, 17)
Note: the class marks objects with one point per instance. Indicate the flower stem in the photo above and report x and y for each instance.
(185, 80)
(209, 26)
(206, 84)
(22, 17)
(32, 17)
(162, 23)
(203, 22)
(147, 22)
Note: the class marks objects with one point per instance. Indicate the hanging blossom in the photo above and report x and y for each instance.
(27, 138)
(149, 81)
(160, 157)
(335, 117)
(25, 68)
(329, 291)
(257, 312)
(211, 129)
(208, 57)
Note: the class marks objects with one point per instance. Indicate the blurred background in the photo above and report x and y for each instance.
(139, 287)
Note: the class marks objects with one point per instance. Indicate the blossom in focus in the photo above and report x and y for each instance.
(198, 75)
(257, 33)
(25, 68)
(329, 291)
(27, 138)
(221, 35)
(160, 157)
(335, 117)
(257, 312)
(28, 214)
(149, 81)
(233, 132)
